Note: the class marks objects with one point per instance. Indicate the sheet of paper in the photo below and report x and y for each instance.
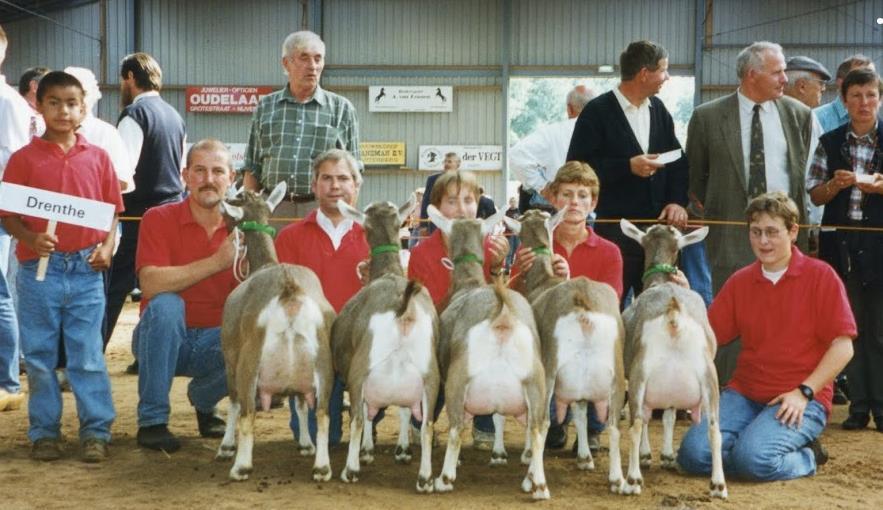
(865, 178)
(669, 157)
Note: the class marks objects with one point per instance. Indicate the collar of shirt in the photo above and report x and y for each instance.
(591, 241)
(318, 95)
(337, 233)
(627, 105)
(747, 105)
(53, 147)
(795, 266)
(144, 95)
(869, 138)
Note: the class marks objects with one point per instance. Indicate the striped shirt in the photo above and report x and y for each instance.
(287, 135)
(861, 151)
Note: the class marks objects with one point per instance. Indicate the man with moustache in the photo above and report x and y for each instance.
(153, 133)
(184, 264)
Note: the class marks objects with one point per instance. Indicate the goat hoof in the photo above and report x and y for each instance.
(225, 452)
(366, 456)
(306, 450)
(499, 458)
(646, 460)
(240, 473)
(586, 463)
(616, 486)
(321, 473)
(424, 485)
(444, 484)
(668, 462)
(403, 454)
(633, 486)
(540, 493)
(718, 490)
(526, 455)
(349, 476)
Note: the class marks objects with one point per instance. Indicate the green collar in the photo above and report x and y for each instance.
(659, 268)
(253, 226)
(384, 248)
(542, 250)
(468, 257)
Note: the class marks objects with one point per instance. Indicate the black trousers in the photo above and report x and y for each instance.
(121, 277)
(865, 369)
(632, 258)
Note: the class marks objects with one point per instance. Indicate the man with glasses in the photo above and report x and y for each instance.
(806, 80)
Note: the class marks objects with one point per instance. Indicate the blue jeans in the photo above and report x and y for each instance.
(754, 445)
(694, 263)
(166, 347)
(335, 416)
(9, 349)
(70, 303)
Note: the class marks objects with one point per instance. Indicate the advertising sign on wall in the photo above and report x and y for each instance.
(472, 157)
(225, 99)
(391, 98)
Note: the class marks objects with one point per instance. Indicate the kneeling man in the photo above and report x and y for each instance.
(797, 330)
(184, 265)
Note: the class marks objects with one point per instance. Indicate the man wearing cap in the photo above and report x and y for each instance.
(806, 80)
(833, 115)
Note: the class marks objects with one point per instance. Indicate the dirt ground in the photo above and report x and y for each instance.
(134, 478)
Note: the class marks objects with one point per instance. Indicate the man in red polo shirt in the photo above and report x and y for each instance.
(332, 246)
(184, 266)
(797, 328)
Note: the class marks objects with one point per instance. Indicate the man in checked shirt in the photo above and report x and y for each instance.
(294, 125)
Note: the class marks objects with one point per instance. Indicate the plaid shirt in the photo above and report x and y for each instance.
(287, 135)
(861, 150)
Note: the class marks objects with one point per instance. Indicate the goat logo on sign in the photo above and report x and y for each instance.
(381, 95)
(439, 94)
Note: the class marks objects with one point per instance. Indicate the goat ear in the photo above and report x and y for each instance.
(693, 237)
(513, 224)
(487, 225)
(438, 220)
(630, 230)
(350, 212)
(232, 211)
(277, 195)
(553, 222)
(407, 208)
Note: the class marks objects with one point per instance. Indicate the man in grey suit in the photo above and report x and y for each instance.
(739, 146)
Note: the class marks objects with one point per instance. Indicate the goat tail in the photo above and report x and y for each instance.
(289, 294)
(581, 300)
(672, 312)
(411, 290)
(503, 320)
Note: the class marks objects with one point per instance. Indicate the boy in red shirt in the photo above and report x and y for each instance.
(797, 328)
(70, 301)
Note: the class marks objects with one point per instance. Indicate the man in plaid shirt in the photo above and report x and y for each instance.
(292, 126)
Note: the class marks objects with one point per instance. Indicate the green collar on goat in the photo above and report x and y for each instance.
(659, 268)
(253, 226)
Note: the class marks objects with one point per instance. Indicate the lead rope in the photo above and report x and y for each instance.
(239, 260)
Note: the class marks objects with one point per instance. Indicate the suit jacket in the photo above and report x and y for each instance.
(718, 180)
(603, 139)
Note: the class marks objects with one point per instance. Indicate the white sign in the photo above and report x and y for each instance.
(472, 157)
(53, 206)
(391, 98)
(237, 153)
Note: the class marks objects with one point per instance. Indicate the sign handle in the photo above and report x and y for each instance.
(44, 260)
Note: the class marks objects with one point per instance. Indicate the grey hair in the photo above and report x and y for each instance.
(751, 57)
(301, 40)
(794, 76)
(579, 96)
(334, 156)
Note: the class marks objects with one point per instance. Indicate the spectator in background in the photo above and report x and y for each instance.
(833, 115)
(513, 213)
(486, 207)
(413, 223)
(27, 87)
(806, 80)
(451, 164)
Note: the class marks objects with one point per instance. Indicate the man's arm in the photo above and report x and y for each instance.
(14, 134)
(155, 280)
(349, 132)
(251, 168)
(697, 157)
(133, 138)
(588, 144)
(41, 242)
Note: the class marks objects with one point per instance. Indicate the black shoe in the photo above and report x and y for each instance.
(839, 397)
(556, 438)
(856, 421)
(878, 422)
(136, 295)
(210, 425)
(158, 437)
(819, 451)
(133, 368)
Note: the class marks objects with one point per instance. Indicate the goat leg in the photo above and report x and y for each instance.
(499, 457)
(305, 446)
(584, 458)
(538, 424)
(350, 472)
(228, 445)
(403, 453)
(711, 399)
(424, 476)
(667, 457)
(634, 481)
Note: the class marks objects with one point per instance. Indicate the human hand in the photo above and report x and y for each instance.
(679, 279)
(498, 246)
(99, 259)
(43, 243)
(226, 251)
(363, 271)
(643, 165)
(876, 186)
(793, 403)
(560, 267)
(674, 215)
(842, 179)
(524, 259)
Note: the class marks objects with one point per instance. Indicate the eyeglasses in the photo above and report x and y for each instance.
(770, 232)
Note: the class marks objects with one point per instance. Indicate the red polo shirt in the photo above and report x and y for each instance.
(84, 171)
(306, 244)
(426, 267)
(169, 236)
(786, 328)
(595, 258)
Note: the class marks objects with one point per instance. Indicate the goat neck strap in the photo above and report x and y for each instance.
(468, 257)
(253, 226)
(384, 248)
(542, 250)
(659, 268)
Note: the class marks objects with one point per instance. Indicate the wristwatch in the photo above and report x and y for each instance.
(807, 392)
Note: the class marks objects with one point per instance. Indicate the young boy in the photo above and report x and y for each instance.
(70, 301)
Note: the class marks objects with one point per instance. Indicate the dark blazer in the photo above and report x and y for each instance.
(603, 139)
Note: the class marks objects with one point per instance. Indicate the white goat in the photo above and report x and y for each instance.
(275, 336)
(669, 355)
(489, 353)
(384, 342)
(582, 336)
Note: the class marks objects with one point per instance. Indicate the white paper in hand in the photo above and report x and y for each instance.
(864, 178)
(669, 157)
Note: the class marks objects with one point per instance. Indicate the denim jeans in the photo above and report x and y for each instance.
(70, 303)
(166, 347)
(335, 416)
(754, 445)
(694, 263)
(9, 347)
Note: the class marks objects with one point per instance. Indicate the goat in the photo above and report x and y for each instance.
(383, 344)
(582, 334)
(275, 336)
(489, 352)
(669, 355)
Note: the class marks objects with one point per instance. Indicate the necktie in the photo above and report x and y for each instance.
(756, 166)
